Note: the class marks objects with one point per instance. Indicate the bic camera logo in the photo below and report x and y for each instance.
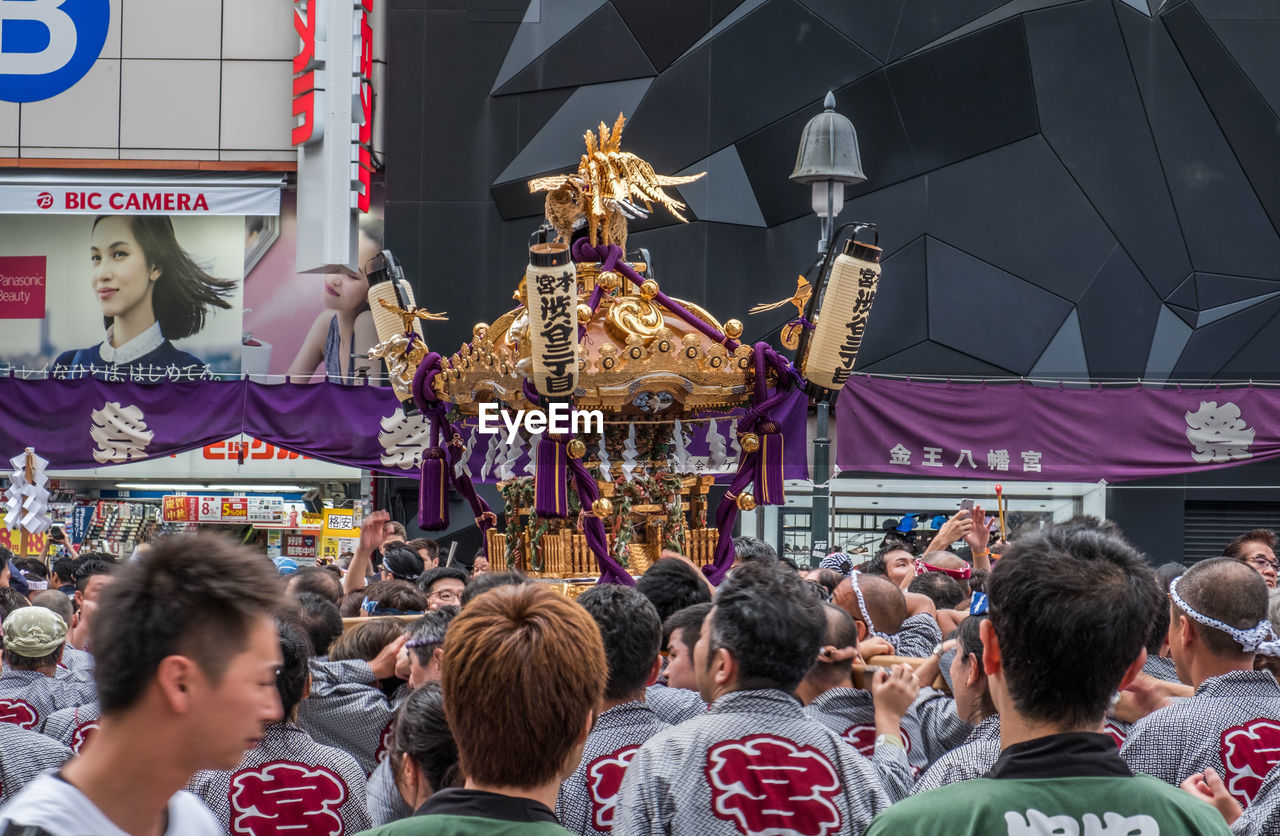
(46, 46)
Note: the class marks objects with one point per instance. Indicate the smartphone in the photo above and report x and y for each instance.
(966, 505)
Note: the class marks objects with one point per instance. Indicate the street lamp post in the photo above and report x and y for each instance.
(828, 159)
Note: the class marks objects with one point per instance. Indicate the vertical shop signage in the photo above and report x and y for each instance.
(333, 129)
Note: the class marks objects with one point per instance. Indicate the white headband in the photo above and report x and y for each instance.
(862, 607)
(1258, 639)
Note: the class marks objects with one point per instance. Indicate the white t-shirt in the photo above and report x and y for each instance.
(60, 809)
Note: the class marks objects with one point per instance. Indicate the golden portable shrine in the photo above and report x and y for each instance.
(593, 330)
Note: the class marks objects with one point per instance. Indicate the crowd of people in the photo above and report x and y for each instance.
(1057, 684)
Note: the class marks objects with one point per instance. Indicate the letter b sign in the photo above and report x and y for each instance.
(46, 46)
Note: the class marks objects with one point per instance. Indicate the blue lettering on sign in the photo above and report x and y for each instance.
(47, 46)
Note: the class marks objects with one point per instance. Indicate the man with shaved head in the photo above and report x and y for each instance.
(878, 609)
(873, 722)
(1217, 625)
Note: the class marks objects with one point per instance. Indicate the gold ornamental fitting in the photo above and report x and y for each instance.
(584, 313)
(750, 443)
(602, 508)
(577, 448)
(480, 330)
(609, 280)
(733, 329)
(649, 289)
(746, 502)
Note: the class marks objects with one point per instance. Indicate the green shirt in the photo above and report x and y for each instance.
(1095, 806)
(460, 812)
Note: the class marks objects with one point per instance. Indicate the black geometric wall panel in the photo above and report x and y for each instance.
(1064, 188)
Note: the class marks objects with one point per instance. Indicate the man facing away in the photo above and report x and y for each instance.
(1218, 623)
(1069, 615)
(631, 632)
(523, 675)
(186, 671)
(754, 762)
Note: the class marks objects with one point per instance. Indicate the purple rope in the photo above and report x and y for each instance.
(593, 527)
(430, 405)
(762, 405)
(610, 258)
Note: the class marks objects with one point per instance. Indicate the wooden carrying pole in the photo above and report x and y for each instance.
(862, 673)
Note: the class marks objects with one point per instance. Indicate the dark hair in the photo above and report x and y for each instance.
(481, 584)
(632, 636)
(978, 580)
(184, 290)
(90, 567)
(1235, 549)
(431, 546)
(65, 569)
(1225, 590)
(32, 663)
(1071, 608)
(401, 596)
(316, 580)
(944, 590)
(395, 528)
(422, 734)
(320, 619)
(197, 596)
(401, 562)
(839, 632)
(689, 621)
(35, 570)
(672, 585)
(876, 565)
(754, 550)
(1165, 574)
(294, 673)
(969, 642)
(771, 626)
(829, 579)
(439, 573)
(10, 600)
(427, 633)
(366, 640)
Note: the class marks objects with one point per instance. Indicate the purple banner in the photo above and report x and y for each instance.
(90, 423)
(1020, 431)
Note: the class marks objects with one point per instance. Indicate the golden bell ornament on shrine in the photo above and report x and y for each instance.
(584, 313)
(746, 502)
(602, 508)
(750, 442)
(609, 280)
(649, 289)
(733, 329)
(577, 448)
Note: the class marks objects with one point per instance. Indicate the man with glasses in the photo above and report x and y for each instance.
(443, 586)
(1256, 548)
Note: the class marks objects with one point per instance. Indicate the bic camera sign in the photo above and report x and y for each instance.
(46, 46)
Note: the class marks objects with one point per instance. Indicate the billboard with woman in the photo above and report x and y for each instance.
(142, 296)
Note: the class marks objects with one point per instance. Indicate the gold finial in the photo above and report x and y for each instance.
(408, 315)
(733, 329)
(649, 289)
(746, 502)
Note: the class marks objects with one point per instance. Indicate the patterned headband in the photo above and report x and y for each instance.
(862, 607)
(923, 568)
(1258, 639)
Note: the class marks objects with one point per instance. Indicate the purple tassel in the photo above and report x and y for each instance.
(768, 472)
(433, 491)
(551, 479)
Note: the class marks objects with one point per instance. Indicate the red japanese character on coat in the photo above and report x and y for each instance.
(768, 786)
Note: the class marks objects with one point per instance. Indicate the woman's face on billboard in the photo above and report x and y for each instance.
(122, 279)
